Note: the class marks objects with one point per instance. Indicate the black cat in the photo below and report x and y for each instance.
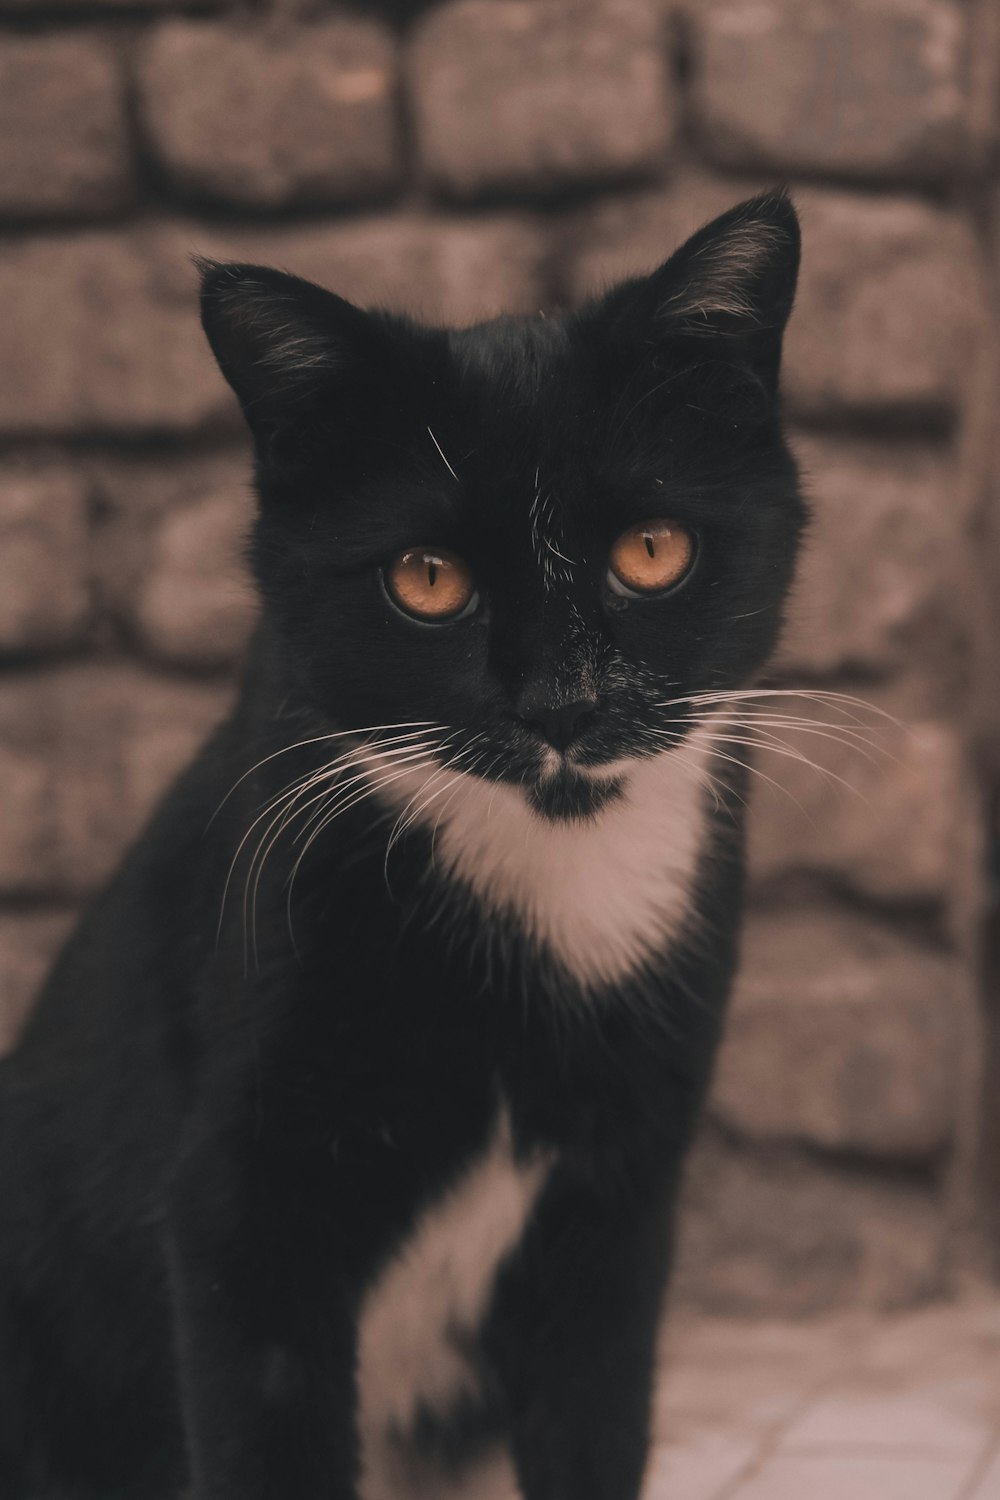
(347, 1132)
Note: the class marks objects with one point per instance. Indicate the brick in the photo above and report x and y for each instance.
(628, 236)
(882, 581)
(132, 494)
(44, 585)
(64, 135)
(889, 812)
(856, 88)
(196, 606)
(83, 754)
(855, 346)
(841, 1036)
(891, 301)
(170, 556)
(101, 330)
(29, 942)
(269, 117)
(531, 95)
(780, 1232)
(450, 270)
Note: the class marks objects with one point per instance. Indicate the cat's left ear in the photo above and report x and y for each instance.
(733, 282)
(292, 352)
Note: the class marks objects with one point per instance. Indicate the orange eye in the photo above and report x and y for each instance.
(649, 557)
(431, 584)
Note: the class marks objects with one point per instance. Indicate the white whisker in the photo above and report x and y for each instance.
(316, 739)
(750, 768)
(825, 696)
(334, 800)
(291, 791)
(447, 465)
(767, 730)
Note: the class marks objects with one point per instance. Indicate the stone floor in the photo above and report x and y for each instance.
(851, 1408)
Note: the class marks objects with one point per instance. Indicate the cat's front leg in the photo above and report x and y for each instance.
(575, 1333)
(265, 1339)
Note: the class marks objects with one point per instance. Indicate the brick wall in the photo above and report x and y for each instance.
(470, 156)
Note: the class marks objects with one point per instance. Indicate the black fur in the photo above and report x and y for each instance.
(214, 1134)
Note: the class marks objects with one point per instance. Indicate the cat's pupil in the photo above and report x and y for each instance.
(649, 544)
(431, 571)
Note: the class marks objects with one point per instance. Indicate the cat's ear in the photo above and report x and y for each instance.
(283, 344)
(733, 281)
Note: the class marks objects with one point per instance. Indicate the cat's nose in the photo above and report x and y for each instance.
(563, 724)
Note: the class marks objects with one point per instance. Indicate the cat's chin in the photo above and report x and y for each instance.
(566, 795)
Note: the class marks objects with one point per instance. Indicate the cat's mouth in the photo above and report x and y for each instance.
(564, 794)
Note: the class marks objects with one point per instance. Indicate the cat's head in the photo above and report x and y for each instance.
(540, 536)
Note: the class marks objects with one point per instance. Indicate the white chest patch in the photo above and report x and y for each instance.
(437, 1288)
(603, 895)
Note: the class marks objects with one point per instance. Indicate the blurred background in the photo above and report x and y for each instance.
(466, 157)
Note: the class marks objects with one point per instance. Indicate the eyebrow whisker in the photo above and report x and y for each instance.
(447, 465)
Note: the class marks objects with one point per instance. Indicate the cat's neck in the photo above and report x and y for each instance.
(604, 895)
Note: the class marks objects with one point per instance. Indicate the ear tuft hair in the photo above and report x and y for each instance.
(738, 271)
(277, 339)
(731, 286)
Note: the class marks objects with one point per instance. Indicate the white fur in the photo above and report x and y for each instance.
(603, 895)
(437, 1288)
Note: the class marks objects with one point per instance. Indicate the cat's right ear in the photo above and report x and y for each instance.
(283, 344)
(726, 294)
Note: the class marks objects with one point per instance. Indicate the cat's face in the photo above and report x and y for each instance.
(536, 535)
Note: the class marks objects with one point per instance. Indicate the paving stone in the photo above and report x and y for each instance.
(846, 87)
(946, 1343)
(988, 1486)
(910, 1420)
(101, 330)
(531, 95)
(64, 134)
(84, 752)
(44, 585)
(271, 117)
(781, 1231)
(886, 809)
(854, 346)
(727, 1378)
(851, 1477)
(882, 582)
(841, 1035)
(700, 1469)
(823, 1405)
(29, 942)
